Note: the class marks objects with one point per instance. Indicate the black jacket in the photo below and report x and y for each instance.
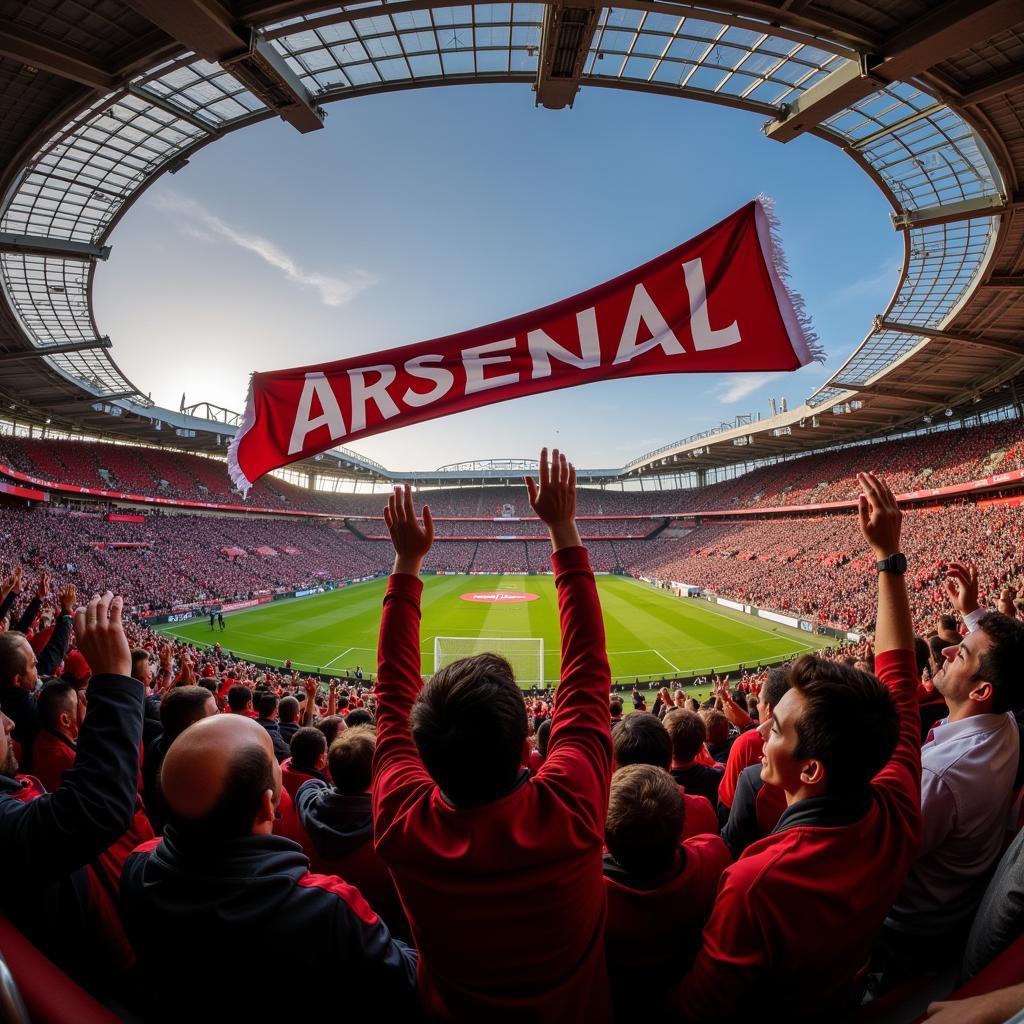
(46, 842)
(254, 897)
(700, 780)
(336, 824)
(281, 749)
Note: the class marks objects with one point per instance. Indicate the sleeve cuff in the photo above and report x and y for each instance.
(971, 619)
(401, 584)
(568, 559)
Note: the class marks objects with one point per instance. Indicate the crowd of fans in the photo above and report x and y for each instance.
(937, 459)
(838, 831)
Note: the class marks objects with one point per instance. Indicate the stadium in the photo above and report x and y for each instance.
(714, 562)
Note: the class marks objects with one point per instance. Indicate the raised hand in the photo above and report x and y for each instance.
(961, 585)
(411, 541)
(101, 638)
(554, 499)
(311, 686)
(880, 516)
(14, 583)
(1006, 598)
(67, 598)
(43, 587)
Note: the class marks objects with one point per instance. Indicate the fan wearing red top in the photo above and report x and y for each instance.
(643, 739)
(801, 907)
(499, 870)
(660, 889)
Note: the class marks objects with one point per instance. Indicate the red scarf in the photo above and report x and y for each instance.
(717, 303)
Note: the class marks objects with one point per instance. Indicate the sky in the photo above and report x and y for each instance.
(418, 214)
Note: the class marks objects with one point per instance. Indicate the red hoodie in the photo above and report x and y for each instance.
(506, 900)
(803, 905)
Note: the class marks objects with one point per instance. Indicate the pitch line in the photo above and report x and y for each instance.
(339, 657)
(675, 668)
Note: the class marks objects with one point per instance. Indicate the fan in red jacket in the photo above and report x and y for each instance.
(499, 870)
(308, 760)
(660, 890)
(643, 739)
(803, 906)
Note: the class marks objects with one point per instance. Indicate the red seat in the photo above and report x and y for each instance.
(50, 996)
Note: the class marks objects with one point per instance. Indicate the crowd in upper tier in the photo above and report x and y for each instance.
(937, 459)
(190, 836)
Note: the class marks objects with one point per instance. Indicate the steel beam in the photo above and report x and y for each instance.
(172, 108)
(566, 34)
(37, 245)
(983, 89)
(55, 350)
(918, 393)
(1002, 282)
(88, 400)
(39, 51)
(957, 339)
(967, 209)
(949, 28)
(204, 26)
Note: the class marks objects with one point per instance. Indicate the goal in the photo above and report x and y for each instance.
(524, 654)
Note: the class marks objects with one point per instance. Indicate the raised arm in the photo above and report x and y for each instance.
(53, 653)
(28, 616)
(736, 715)
(396, 760)
(63, 830)
(580, 745)
(881, 523)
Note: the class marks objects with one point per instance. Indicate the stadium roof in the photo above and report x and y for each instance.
(101, 98)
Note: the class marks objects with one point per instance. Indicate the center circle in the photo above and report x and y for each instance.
(499, 597)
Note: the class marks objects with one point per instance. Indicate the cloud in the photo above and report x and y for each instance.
(335, 290)
(743, 384)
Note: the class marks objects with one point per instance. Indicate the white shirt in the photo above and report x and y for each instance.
(967, 774)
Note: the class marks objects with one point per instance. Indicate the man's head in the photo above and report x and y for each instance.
(58, 708)
(947, 628)
(981, 673)
(309, 750)
(680, 699)
(771, 693)
(645, 820)
(8, 762)
(688, 734)
(469, 725)
(332, 727)
(184, 706)
(288, 710)
(831, 733)
(357, 717)
(239, 699)
(615, 707)
(543, 737)
(350, 760)
(718, 727)
(17, 661)
(220, 779)
(266, 706)
(642, 739)
(141, 667)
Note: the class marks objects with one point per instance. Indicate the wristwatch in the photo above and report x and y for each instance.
(896, 563)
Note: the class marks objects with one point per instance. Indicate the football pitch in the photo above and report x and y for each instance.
(650, 633)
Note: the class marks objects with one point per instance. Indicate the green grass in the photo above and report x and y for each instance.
(650, 634)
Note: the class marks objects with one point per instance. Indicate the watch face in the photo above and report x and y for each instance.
(899, 562)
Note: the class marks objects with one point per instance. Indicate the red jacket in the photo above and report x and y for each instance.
(699, 817)
(803, 905)
(52, 756)
(506, 901)
(744, 752)
(655, 931)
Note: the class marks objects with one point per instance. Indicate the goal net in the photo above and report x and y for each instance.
(524, 654)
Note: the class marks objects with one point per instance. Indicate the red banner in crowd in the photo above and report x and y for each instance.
(717, 303)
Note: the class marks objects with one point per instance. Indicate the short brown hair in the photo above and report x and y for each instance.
(350, 759)
(688, 733)
(469, 726)
(717, 726)
(645, 819)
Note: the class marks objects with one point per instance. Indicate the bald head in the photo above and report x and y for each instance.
(220, 778)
